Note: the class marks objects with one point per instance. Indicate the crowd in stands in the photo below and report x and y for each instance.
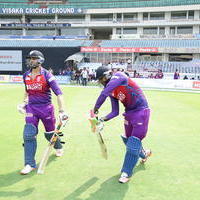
(151, 70)
(182, 67)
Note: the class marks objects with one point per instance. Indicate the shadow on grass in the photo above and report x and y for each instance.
(13, 177)
(51, 159)
(74, 195)
(18, 194)
(110, 189)
(139, 167)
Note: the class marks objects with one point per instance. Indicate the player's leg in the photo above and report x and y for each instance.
(136, 127)
(124, 139)
(147, 153)
(49, 120)
(133, 148)
(142, 152)
(140, 121)
(142, 131)
(30, 142)
(128, 130)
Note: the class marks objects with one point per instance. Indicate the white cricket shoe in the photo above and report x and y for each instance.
(148, 154)
(124, 178)
(59, 152)
(26, 170)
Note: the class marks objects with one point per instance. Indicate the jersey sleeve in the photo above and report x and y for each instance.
(113, 83)
(51, 80)
(24, 77)
(115, 109)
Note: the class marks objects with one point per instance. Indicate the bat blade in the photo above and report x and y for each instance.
(102, 145)
(96, 129)
(45, 155)
(44, 160)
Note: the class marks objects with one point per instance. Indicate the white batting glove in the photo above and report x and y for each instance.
(100, 124)
(63, 117)
(21, 108)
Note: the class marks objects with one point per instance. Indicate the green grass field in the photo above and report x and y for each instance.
(172, 173)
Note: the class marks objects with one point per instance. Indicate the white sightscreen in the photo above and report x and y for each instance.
(10, 60)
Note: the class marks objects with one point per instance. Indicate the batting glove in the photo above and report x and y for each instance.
(63, 117)
(100, 124)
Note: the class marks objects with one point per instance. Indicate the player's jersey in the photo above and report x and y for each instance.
(130, 94)
(38, 89)
(124, 89)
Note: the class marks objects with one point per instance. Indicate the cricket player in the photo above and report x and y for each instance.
(119, 87)
(37, 106)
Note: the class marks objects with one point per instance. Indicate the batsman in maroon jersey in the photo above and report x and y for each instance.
(119, 87)
(37, 106)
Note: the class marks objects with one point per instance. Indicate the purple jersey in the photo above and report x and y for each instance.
(38, 89)
(124, 89)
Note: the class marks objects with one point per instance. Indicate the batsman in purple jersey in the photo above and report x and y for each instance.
(37, 106)
(119, 87)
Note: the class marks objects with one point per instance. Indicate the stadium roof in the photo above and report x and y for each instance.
(86, 4)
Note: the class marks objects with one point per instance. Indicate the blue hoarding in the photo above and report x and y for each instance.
(39, 11)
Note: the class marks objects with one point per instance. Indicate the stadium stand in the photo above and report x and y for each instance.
(183, 67)
(152, 43)
(171, 27)
(44, 43)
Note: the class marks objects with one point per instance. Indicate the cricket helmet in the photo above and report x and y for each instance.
(103, 71)
(36, 55)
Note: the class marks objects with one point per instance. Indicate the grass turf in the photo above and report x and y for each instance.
(172, 173)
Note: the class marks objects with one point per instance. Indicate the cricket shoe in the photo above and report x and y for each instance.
(124, 178)
(59, 152)
(26, 170)
(148, 154)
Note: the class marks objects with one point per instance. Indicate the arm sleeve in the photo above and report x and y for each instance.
(53, 84)
(113, 83)
(115, 109)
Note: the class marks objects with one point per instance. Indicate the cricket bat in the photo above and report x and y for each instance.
(95, 129)
(45, 155)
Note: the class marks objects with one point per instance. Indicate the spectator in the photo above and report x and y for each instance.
(84, 74)
(78, 76)
(176, 74)
(159, 74)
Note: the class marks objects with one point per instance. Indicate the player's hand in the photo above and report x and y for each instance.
(100, 124)
(63, 117)
(96, 111)
(21, 108)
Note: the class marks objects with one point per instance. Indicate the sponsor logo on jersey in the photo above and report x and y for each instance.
(38, 79)
(121, 96)
(34, 86)
(115, 77)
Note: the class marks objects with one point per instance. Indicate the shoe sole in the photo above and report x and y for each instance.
(122, 182)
